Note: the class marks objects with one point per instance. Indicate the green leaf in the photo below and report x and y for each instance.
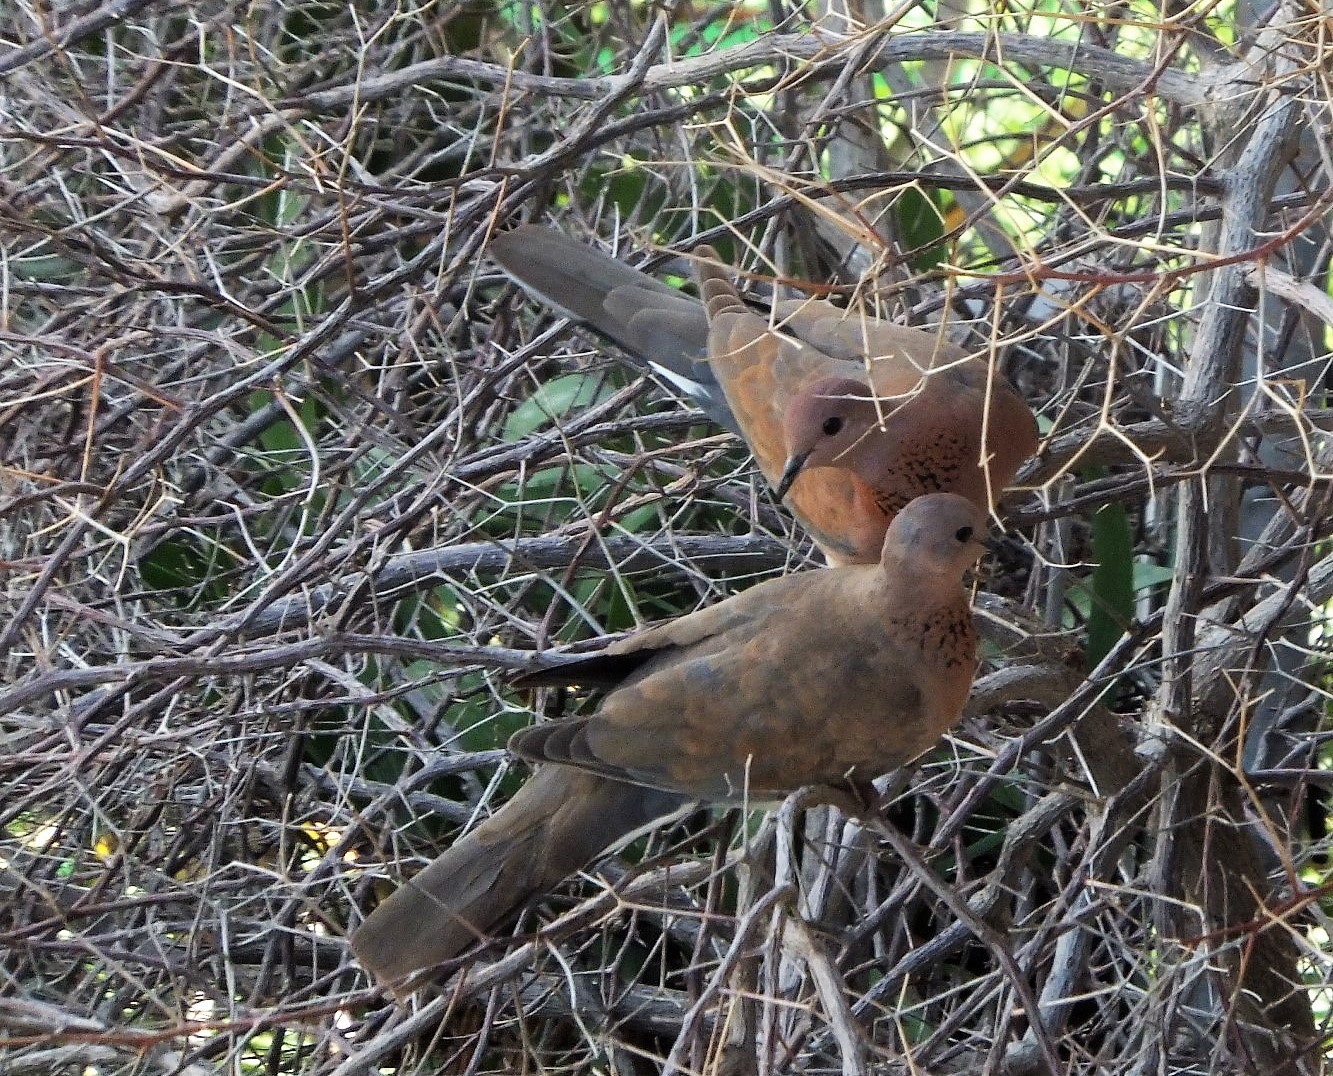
(1112, 584)
(921, 223)
(552, 401)
(641, 519)
(189, 573)
(1147, 574)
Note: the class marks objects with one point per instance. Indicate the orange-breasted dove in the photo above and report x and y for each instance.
(820, 678)
(797, 385)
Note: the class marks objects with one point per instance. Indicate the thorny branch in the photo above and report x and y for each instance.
(290, 477)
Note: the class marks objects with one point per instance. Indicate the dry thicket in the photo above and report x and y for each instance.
(291, 476)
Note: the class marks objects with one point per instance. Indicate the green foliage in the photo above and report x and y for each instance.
(920, 218)
(1112, 588)
(553, 400)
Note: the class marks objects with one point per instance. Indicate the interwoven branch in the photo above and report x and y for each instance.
(291, 478)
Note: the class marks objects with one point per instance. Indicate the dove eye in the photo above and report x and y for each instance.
(964, 534)
(832, 426)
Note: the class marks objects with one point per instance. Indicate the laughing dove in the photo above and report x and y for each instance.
(821, 678)
(849, 416)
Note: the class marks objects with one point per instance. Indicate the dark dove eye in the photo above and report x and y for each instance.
(832, 426)
(964, 534)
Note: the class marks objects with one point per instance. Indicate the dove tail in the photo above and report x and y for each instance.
(557, 823)
(659, 328)
(572, 276)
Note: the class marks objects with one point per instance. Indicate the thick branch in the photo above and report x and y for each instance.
(824, 53)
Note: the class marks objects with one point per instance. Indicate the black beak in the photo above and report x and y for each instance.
(992, 542)
(789, 473)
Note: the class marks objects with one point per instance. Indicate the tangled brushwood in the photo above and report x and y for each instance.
(293, 479)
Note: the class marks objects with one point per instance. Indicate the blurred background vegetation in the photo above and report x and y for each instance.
(290, 476)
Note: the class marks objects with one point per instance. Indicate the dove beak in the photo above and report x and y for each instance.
(992, 543)
(789, 473)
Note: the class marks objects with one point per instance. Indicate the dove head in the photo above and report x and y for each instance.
(939, 536)
(828, 424)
